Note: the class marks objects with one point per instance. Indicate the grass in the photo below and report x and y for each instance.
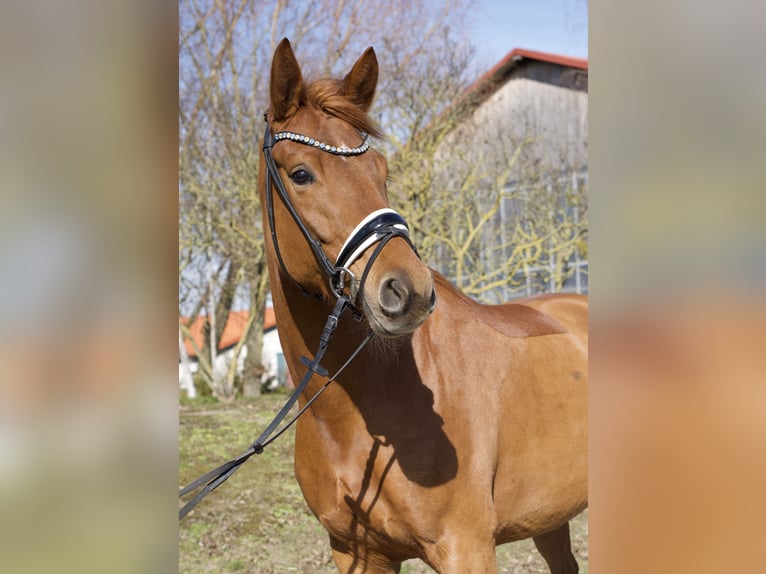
(258, 522)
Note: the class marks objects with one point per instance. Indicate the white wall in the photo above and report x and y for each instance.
(271, 350)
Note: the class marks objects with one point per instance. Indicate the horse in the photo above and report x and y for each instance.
(461, 426)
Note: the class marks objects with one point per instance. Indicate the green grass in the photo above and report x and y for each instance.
(258, 522)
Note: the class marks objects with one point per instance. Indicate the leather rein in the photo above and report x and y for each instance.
(378, 228)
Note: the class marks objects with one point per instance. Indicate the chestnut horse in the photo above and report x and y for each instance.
(461, 426)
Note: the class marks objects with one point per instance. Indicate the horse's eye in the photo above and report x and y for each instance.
(301, 177)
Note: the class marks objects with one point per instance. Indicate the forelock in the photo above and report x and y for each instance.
(326, 95)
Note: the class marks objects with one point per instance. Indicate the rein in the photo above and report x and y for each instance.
(219, 475)
(378, 227)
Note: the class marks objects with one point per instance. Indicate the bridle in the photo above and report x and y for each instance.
(377, 228)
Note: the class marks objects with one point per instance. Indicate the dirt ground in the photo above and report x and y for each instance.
(258, 522)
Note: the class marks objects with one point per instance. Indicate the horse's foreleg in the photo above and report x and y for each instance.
(463, 556)
(350, 562)
(556, 548)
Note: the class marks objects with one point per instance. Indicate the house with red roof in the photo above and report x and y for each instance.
(273, 360)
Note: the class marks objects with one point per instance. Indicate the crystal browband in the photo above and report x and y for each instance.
(323, 146)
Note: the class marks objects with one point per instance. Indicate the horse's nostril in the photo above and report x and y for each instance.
(394, 296)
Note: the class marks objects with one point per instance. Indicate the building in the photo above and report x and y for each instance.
(532, 95)
(273, 359)
(520, 138)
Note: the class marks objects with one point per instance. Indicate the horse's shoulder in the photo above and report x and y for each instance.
(518, 320)
(525, 317)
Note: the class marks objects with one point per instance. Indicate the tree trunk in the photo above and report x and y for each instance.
(254, 369)
(213, 329)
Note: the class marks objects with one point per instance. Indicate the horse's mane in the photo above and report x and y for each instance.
(326, 94)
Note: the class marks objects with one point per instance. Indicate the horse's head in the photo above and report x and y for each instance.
(316, 151)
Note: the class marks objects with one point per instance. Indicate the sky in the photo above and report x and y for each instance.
(555, 26)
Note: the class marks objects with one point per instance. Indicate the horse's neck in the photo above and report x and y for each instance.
(300, 320)
(384, 392)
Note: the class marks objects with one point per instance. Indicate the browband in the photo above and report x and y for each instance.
(342, 150)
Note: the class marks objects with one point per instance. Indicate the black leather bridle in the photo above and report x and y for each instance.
(379, 228)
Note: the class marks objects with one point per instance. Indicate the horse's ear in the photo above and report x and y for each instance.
(359, 84)
(286, 87)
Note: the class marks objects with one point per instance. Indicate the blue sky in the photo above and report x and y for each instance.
(556, 26)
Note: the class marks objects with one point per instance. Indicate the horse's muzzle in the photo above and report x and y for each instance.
(401, 302)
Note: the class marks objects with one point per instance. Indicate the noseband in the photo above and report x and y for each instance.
(378, 227)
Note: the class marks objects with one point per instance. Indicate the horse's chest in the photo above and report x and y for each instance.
(358, 500)
(366, 513)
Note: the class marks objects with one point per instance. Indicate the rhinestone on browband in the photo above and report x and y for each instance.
(323, 146)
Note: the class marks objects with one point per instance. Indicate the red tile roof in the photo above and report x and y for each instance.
(484, 87)
(518, 54)
(232, 331)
